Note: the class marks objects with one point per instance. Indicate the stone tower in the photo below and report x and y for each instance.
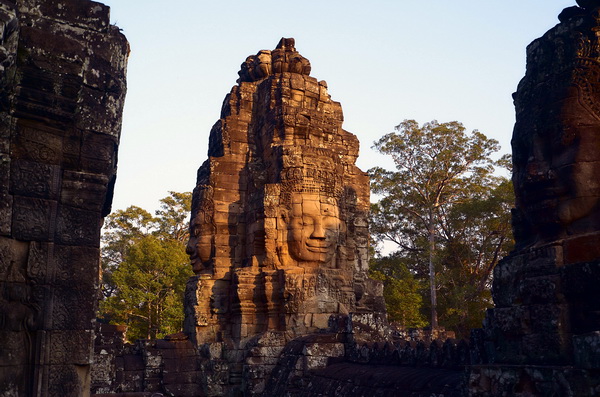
(62, 88)
(279, 233)
(543, 336)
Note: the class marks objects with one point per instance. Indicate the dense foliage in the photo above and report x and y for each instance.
(145, 268)
(447, 211)
(402, 290)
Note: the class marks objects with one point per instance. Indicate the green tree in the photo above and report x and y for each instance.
(173, 216)
(435, 201)
(145, 267)
(150, 283)
(477, 235)
(401, 290)
(121, 230)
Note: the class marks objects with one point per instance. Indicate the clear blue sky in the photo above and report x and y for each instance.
(384, 60)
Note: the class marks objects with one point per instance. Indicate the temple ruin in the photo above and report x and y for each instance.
(62, 87)
(281, 303)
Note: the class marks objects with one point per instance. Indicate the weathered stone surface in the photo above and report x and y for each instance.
(277, 242)
(545, 292)
(279, 231)
(169, 366)
(55, 173)
(524, 381)
(554, 142)
(279, 214)
(347, 379)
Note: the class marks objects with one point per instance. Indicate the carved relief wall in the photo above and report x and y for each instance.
(62, 86)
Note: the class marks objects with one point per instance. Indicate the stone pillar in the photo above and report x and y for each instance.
(543, 335)
(62, 87)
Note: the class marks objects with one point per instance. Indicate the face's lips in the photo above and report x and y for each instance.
(196, 264)
(317, 243)
(318, 250)
(321, 247)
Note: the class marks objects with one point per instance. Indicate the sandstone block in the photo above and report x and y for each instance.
(35, 179)
(70, 347)
(33, 219)
(585, 348)
(78, 227)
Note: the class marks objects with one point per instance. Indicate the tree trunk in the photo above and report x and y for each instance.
(150, 325)
(434, 317)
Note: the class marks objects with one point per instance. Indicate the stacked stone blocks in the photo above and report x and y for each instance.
(62, 86)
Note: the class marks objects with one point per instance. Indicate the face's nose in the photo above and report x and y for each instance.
(318, 230)
(190, 246)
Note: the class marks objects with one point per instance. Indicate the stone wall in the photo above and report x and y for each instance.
(347, 357)
(170, 366)
(62, 87)
(355, 359)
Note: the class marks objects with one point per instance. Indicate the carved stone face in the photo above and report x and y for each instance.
(580, 177)
(557, 183)
(199, 246)
(313, 229)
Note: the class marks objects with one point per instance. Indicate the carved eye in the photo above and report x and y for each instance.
(300, 222)
(307, 221)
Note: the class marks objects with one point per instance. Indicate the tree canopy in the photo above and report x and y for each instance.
(446, 210)
(402, 290)
(145, 267)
